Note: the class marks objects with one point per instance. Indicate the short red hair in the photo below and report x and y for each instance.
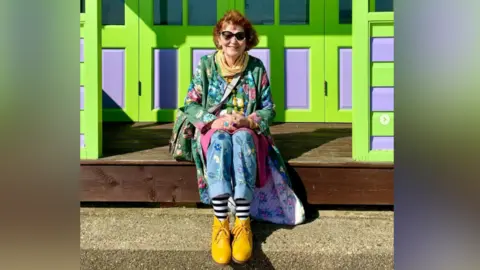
(236, 18)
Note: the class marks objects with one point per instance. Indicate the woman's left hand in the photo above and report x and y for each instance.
(240, 121)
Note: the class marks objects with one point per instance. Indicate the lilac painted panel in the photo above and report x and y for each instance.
(296, 78)
(82, 47)
(197, 54)
(382, 143)
(382, 49)
(82, 140)
(382, 99)
(165, 78)
(264, 55)
(113, 71)
(82, 97)
(345, 80)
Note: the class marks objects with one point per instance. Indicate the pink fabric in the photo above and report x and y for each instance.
(261, 147)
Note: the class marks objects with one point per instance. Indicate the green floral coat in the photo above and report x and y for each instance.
(276, 201)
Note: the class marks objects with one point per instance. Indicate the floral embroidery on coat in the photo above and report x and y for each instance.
(275, 202)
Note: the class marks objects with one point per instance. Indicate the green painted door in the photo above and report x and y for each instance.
(120, 60)
(305, 46)
(174, 34)
(338, 61)
(292, 47)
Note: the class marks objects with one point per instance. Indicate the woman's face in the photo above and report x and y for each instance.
(233, 41)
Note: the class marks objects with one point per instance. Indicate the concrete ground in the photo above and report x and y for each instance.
(179, 238)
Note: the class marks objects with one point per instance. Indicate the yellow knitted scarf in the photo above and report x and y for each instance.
(227, 70)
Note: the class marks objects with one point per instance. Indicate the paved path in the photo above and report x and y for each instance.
(179, 238)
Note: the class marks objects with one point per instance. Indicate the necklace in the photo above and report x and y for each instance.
(237, 103)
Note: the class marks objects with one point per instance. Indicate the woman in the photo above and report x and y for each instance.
(232, 147)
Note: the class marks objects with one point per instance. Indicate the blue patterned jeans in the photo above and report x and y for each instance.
(231, 161)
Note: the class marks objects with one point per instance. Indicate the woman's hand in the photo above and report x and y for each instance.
(225, 122)
(231, 122)
(240, 121)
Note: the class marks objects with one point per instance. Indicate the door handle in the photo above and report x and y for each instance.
(325, 88)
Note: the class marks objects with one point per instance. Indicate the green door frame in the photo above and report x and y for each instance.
(90, 79)
(309, 37)
(118, 38)
(173, 41)
(338, 65)
(322, 38)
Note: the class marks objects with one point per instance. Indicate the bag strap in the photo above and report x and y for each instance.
(229, 89)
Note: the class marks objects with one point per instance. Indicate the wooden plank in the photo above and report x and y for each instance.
(138, 168)
(351, 186)
(298, 142)
(138, 183)
(372, 165)
(176, 183)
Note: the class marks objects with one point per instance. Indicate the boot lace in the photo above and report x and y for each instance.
(221, 234)
(241, 230)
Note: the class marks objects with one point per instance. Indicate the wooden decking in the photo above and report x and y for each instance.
(137, 167)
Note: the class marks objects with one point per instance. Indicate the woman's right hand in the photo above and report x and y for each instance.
(219, 123)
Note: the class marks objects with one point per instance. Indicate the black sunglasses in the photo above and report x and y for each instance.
(228, 35)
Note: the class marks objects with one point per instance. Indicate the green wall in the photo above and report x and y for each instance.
(91, 82)
(373, 83)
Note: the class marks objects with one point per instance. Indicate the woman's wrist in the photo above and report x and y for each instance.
(252, 123)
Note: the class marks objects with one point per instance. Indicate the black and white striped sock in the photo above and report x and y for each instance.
(220, 207)
(242, 209)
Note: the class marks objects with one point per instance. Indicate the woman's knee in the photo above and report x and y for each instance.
(222, 138)
(243, 135)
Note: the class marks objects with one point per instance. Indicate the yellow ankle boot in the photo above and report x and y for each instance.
(221, 249)
(242, 241)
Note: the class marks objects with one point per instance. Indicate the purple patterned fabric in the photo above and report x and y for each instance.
(275, 201)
